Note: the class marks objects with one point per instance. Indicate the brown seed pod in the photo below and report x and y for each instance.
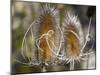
(73, 35)
(47, 22)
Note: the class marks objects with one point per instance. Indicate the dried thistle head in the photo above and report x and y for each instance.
(43, 26)
(73, 45)
(47, 23)
(48, 19)
(73, 36)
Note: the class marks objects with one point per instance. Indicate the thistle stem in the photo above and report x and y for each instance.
(72, 65)
(88, 33)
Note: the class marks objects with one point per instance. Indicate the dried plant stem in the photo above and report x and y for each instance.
(22, 50)
(87, 36)
(62, 40)
(72, 65)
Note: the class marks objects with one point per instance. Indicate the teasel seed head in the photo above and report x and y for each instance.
(73, 35)
(48, 21)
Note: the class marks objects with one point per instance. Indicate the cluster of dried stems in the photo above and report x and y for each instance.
(71, 43)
